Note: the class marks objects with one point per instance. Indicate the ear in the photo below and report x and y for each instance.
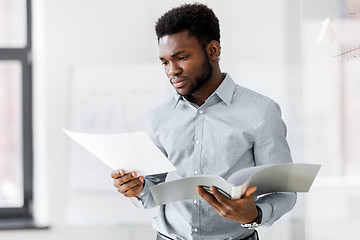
(213, 49)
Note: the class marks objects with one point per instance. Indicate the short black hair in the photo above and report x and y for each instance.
(199, 20)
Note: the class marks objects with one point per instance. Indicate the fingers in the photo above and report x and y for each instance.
(208, 197)
(241, 210)
(250, 191)
(128, 180)
(121, 177)
(218, 201)
(220, 197)
(117, 173)
(132, 188)
(128, 184)
(214, 195)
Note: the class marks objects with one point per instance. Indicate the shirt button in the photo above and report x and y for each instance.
(195, 201)
(200, 111)
(196, 229)
(197, 141)
(196, 172)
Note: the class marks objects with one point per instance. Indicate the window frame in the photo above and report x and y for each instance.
(22, 217)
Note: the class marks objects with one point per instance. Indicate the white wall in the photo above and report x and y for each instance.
(74, 33)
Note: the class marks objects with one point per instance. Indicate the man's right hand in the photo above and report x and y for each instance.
(128, 184)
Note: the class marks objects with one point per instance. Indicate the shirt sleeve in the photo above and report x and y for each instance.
(145, 198)
(271, 147)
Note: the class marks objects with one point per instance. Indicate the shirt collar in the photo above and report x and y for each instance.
(177, 98)
(224, 91)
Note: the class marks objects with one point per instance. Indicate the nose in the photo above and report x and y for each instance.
(173, 69)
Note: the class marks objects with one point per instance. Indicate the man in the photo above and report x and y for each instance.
(213, 127)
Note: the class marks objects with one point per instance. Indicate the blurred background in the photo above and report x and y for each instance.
(92, 66)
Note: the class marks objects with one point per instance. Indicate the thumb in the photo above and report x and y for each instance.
(250, 191)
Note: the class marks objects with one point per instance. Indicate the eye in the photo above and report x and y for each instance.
(164, 63)
(183, 58)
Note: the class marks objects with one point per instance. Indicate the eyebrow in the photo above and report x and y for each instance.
(175, 54)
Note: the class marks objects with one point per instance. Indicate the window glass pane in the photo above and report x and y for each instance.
(331, 86)
(12, 23)
(11, 168)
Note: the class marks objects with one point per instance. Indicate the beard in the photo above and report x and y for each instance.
(205, 76)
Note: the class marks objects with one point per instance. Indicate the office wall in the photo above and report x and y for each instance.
(260, 48)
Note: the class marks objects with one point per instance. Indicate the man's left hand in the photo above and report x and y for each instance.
(241, 210)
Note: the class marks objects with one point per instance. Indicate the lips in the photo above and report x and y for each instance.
(178, 82)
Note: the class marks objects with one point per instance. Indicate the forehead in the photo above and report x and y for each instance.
(182, 41)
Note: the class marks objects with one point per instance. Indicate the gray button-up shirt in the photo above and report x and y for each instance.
(235, 128)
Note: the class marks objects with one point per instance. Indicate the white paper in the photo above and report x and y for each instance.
(186, 188)
(288, 177)
(128, 151)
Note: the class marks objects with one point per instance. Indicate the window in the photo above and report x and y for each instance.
(15, 114)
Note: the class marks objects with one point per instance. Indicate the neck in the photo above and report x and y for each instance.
(200, 96)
